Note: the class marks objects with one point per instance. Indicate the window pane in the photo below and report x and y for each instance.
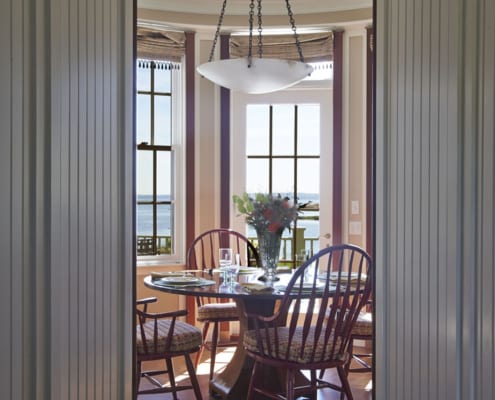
(163, 174)
(162, 120)
(308, 179)
(257, 176)
(143, 124)
(283, 129)
(164, 228)
(308, 139)
(144, 175)
(143, 78)
(257, 129)
(163, 80)
(283, 177)
(144, 217)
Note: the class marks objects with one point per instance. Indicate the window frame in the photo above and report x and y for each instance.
(307, 92)
(176, 149)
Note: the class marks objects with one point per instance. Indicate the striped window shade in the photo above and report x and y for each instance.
(315, 47)
(160, 45)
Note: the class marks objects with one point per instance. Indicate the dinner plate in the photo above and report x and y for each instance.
(180, 280)
(165, 274)
(309, 286)
(334, 276)
(306, 287)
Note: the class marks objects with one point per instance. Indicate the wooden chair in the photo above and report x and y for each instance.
(311, 329)
(203, 254)
(363, 330)
(162, 337)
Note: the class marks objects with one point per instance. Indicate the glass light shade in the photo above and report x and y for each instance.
(263, 76)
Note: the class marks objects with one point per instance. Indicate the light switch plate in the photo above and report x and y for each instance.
(355, 207)
(355, 228)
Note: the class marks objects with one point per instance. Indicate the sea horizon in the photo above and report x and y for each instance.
(145, 216)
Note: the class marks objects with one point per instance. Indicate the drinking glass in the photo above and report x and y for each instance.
(233, 270)
(225, 261)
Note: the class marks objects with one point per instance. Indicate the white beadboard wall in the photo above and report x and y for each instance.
(435, 291)
(66, 200)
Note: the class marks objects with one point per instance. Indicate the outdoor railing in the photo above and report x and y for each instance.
(145, 245)
(164, 246)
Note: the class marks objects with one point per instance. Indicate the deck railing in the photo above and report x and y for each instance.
(145, 245)
(164, 246)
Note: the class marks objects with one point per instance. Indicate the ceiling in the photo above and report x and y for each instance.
(203, 14)
(241, 7)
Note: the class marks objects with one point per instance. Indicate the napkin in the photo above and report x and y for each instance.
(256, 288)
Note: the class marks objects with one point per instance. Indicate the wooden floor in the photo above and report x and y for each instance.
(360, 382)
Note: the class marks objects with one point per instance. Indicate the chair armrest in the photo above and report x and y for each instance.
(146, 300)
(168, 314)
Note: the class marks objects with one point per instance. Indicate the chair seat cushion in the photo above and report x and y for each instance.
(212, 311)
(321, 353)
(186, 337)
(363, 325)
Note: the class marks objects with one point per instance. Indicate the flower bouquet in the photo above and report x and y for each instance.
(269, 215)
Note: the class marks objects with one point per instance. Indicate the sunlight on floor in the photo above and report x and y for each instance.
(361, 383)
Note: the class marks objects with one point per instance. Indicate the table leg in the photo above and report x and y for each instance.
(233, 381)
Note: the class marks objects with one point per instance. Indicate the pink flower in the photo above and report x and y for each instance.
(267, 211)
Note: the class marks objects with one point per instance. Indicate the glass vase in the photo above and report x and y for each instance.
(269, 252)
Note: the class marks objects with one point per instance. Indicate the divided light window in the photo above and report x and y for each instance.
(155, 158)
(283, 157)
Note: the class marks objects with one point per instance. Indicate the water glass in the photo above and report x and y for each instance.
(233, 270)
(225, 261)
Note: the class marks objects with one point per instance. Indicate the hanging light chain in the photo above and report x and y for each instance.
(217, 33)
(260, 30)
(250, 45)
(293, 26)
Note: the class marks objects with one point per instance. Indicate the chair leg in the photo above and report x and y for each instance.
(206, 325)
(171, 376)
(290, 384)
(192, 376)
(358, 358)
(350, 350)
(345, 383)
(213, 351)
(138, 378)
(252, 382)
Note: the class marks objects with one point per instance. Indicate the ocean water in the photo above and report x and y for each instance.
(145, 217)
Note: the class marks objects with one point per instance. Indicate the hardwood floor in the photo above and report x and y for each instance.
(360, 382)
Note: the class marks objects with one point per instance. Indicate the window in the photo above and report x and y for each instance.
(283, 146)
(158, 130)
(283, 157)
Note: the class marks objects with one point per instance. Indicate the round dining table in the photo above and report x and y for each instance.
(250, 297)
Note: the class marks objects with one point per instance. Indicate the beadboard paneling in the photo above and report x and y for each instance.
(66, 207)
(435, 195)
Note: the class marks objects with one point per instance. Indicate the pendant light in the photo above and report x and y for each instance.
(255, 75)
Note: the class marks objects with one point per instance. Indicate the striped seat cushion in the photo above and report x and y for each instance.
(186, 337)
(321, 353)
(363, 325)
(218, 310)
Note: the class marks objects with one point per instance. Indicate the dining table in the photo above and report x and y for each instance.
(251, 295)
